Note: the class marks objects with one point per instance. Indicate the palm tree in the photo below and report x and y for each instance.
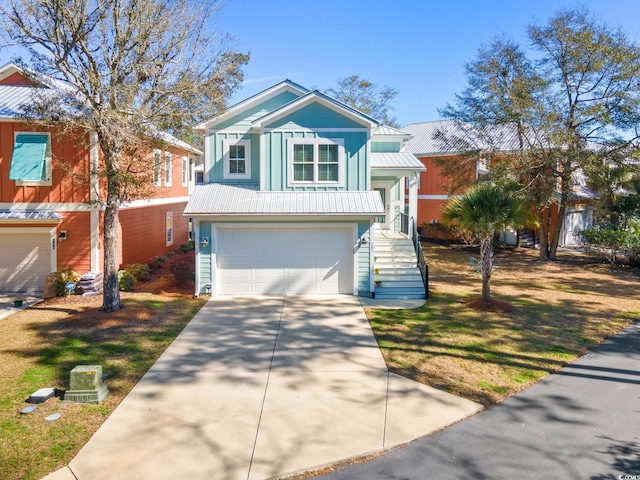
(484, 211)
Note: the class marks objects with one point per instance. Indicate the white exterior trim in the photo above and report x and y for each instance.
(154, 202)
(315, 142)
(226, 143)
(168, 169)
(433, 197)
(47, 162)
(314, 130)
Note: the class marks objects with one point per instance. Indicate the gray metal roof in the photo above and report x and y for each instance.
(30, 215)
(225, 199)
(387, 131)
(452, 136)
(12, 98)
(443, 136)
(398, 160)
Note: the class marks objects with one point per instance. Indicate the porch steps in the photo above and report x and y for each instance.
(396, 271)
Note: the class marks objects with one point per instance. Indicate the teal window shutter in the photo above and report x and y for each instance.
(29, 157)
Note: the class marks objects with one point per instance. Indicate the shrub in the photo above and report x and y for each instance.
(182, 268)
(126, 281)
(190, 246)
(62, 277)
(140, 271)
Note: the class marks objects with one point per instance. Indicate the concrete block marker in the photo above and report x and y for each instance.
(42, 395)
(85, 385)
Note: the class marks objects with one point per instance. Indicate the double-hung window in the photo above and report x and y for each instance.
(237, 159)
(168, 171)
(316, 160)
(185, 171)
(157, 169)
(31, 160)
(169, 228)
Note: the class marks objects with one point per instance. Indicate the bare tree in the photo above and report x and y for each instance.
(366, 97)
(125, 68)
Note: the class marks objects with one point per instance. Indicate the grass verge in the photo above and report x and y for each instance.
(556, 312)
(43, 343)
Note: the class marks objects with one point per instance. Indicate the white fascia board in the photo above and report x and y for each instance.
(9, 69)
(285, 86)
(291, 219)
(307, 100)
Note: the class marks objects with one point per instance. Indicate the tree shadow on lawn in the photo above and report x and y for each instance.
(535, 339)
(125, 342)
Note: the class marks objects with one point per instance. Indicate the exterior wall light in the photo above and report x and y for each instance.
(204, 242)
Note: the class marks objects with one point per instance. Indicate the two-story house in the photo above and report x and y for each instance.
(50, 214)
(304, 194)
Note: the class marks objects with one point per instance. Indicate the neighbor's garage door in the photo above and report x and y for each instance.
(285, 261)
(25, 261)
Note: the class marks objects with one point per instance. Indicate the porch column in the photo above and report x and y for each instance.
(413, 199)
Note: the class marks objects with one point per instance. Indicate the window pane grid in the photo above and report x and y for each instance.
(315, 162)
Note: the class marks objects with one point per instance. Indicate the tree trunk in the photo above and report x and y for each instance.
(562, 207)
(544, 233)
(486, 257)
(111, 292)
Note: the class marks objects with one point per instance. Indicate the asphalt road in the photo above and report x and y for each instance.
(581, 423)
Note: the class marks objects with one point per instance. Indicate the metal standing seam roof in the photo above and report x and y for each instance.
(452, 136)
(224, 199)
(397, 160)
(12, 98)
(30, 215)
(387, 131)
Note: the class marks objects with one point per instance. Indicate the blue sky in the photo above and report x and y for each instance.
(418, 47)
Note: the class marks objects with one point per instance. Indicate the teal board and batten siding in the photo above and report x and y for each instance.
(363, 260)
(215, 150)
(205, 275)
(277, 161)
(242, 121)
(385, 147)
(314, 116)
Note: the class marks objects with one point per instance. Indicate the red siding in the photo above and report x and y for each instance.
(70, 162)
(143, 233)
(75, 251)
(16, 79)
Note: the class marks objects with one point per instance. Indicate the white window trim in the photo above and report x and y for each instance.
(226, 160)
(157, 168)
(168, 228)
(185, 171)
(47, 162)
(168, 168)
(315, 142)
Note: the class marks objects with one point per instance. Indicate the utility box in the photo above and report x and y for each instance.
(85, 385)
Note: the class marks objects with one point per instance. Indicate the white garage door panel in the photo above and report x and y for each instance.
(25, 261)
(277, 261)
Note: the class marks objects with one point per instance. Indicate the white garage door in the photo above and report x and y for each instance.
(25, 261)
(285, 261)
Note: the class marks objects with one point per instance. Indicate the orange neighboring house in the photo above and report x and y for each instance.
(430, 145)
(49, 217)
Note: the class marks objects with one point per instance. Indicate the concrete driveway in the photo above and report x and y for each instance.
(580, 423)
(257, 388)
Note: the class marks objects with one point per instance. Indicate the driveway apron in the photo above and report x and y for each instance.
(262, 387)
